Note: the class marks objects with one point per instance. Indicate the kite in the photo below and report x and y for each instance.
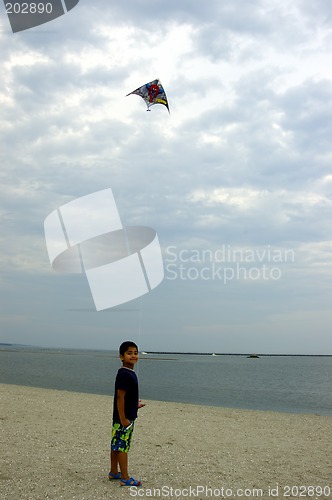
(152, 93)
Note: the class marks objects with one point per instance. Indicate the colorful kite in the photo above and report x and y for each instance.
(152, 93)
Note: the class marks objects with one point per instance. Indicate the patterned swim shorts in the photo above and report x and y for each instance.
(121, 437)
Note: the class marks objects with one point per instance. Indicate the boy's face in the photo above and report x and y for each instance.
(130, 357)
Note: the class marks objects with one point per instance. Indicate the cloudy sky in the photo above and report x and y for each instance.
(236, 180)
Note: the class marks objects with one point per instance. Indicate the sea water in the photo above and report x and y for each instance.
(294, 384)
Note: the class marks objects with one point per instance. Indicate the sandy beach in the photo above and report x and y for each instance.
(54, 444)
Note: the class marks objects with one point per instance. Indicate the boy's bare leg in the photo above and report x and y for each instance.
(123, 462)
(114, 461)
(119, 458)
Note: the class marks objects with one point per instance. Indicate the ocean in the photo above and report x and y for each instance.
(292, 384)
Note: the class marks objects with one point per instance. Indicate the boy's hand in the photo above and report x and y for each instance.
(140, 404)
(125, 422)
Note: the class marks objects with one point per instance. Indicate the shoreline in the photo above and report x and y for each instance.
(55, 445)
(236, 408)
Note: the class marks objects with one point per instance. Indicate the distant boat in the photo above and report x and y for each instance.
(213, 354)
(253, 356)
(143, 352)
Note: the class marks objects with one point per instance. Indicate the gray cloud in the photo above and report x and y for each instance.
(243, 160)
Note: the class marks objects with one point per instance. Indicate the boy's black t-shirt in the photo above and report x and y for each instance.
(126, 379)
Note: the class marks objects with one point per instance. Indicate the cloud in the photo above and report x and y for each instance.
(243, 159)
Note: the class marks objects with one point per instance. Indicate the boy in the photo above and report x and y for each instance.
(126, 404)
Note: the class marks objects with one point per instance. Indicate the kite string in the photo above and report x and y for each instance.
(127, 242)
(139, 330)
(141, 307)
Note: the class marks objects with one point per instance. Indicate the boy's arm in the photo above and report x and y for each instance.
(120, 401)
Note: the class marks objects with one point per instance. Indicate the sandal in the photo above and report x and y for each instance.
(130, 482)
(112, 476)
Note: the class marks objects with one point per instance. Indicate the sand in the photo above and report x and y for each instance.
(54, 445)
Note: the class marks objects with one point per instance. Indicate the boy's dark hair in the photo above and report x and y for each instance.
(125, 346)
